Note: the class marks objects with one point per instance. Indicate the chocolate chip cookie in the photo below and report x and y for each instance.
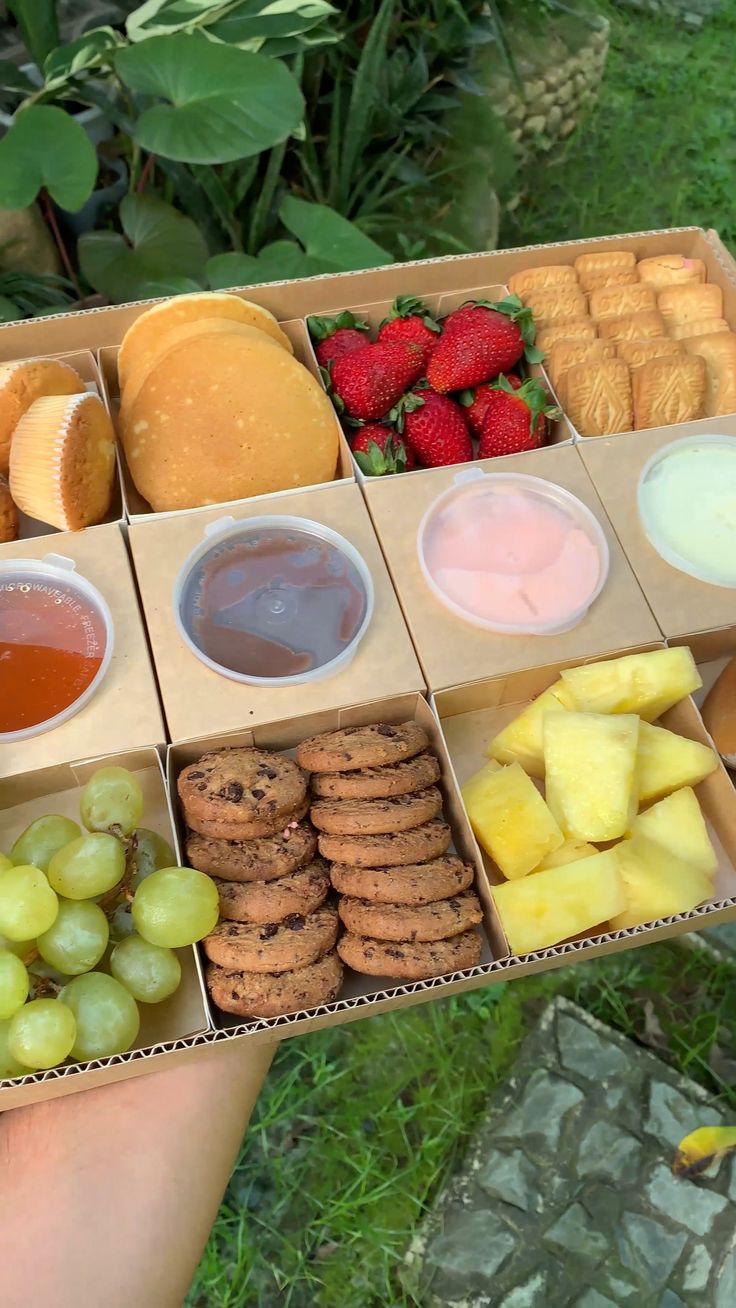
(242, 831)
(299, 893)
(350, 748)
(356, 817)
(440, 921)
(247, 787)
(378, 783)
(410, 961)
(268, 994)
(392, 849)
(416, 883)
(254, 860)
(275, 947)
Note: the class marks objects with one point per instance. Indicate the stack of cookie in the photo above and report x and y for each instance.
(404, 900)
(273, 951)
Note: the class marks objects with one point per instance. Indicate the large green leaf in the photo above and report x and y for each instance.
(329, 237)
(162, 252)
(163, 17)
(46, 147)
(89, 51)
(38, 26)
(251, 22)
(12, 78)
(279, 261)
(224, 103)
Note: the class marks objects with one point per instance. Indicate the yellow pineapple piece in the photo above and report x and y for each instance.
(510, 818)
(677, 824)
(521, 740)
(560, 902)
(591, 772)
(570, 852)
(647, 684)
(657, 883)
(666, 761)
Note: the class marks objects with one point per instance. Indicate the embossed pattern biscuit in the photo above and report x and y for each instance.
(539, 279)
(693, 302)
(299, 893)
(355, 817)
(569, 329)
(719, 353)
(598, 397)
(410, 961)
(633, 326)
(378, 783)
(670, 270)
(243, 786)
(555, 302)
(594, 281)
(350, 748)
(275, 947)
(244, 831)
(395, 849)
(637, 352)
(264, 994)
(416, 883)
(440, 921)
(703, 327)
(617, 301)
(667, 391)
(565, 354)
(253, 860)
(605, 261)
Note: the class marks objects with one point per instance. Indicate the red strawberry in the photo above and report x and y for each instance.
(515, 419)
(369, 381)
(379, 450)
(410, 320)
(475, 402)
(334, 337)
(436, 428)
(479, 341)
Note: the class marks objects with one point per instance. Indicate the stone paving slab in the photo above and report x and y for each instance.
(566, 1198)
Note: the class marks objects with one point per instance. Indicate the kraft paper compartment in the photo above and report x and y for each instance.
(56, 789)
(135, 507)
(124, 712)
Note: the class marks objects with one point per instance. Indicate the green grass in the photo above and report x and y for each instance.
(357, 1127)
(659, 150)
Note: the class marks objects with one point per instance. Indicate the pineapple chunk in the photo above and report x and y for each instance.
(521, 740)
(510, 818)
(591, 772)
(677, 824)
(560, 902)
(666, 761)
(657, 883)
(647, 684)
(570, 852)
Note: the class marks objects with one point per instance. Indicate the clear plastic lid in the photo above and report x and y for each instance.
(687, 506)
(273, 601)
(56, 642)
(512, 553)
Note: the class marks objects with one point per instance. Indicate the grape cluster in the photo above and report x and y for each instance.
(72, 903)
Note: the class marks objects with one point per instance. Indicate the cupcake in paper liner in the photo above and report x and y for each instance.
(22, 383)
(62, 461)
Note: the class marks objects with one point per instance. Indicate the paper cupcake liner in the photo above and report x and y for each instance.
(37, 460)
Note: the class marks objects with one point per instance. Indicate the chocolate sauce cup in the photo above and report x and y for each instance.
(273, 601)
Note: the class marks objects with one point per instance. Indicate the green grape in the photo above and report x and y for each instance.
(41, 840)
(13, 984)
(28, 905)
(78, 938)
(89, 866)
(112, 798)
(149, 972)
(6, 862)
(9, 1066)
(152, 853)
(107, 1016)
(42, 1033)
(18, 947)
(175, 907)
(121, 923)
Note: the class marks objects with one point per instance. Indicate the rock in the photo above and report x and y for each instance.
(532, 90)
(592, 1299)
(697, 1269)
(648, 1248)
(607, 1151)
(535, 125)
(568, 126)
(573, 1233)
(530, 1295)
(725, 1295)
(543, 1107)
(554, 118)
(511, 1177)
(584, 1052)
(467, 1253)
(671, 1116)
(689, 1205)
(26, 244)
(565, 93)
